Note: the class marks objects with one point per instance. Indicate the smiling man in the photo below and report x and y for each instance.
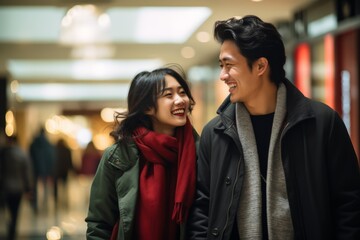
(273, 164)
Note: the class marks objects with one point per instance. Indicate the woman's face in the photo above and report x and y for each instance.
(173, 107)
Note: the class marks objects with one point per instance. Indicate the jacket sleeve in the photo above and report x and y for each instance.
(197, 223)
(103, 208)
(345, 182)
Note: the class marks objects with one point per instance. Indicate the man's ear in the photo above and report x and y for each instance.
(261, 65)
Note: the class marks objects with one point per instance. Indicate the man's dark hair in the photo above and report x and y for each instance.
(255, 39)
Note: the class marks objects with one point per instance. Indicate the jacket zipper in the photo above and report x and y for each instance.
(232, 197)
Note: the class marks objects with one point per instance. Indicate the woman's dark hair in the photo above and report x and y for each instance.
(255, 39)
(144, 91)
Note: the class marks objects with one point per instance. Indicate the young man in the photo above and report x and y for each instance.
(273, 164)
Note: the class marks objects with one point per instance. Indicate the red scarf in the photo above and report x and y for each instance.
(167, 182)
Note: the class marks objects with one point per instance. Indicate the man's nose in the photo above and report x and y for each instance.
(223, 75)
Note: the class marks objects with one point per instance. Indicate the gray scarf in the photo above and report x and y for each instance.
(249, 211)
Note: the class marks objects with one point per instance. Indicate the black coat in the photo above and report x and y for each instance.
(321, 171)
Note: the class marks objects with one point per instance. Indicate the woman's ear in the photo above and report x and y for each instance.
(150, 112)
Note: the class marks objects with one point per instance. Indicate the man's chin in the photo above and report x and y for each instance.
(233, 99)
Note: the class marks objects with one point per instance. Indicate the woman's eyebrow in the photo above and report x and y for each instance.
(170, 88)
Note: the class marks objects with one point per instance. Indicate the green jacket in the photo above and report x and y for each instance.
(114, 193)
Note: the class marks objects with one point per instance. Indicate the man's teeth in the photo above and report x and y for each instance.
(232, 85)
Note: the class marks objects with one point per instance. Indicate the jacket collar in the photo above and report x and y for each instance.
(297, 105)
(227, 123)
(226, 111)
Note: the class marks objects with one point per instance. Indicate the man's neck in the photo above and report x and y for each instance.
(265, 103)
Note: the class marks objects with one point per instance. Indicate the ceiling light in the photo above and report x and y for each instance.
(203, 37)
(115, 24)
(14, 86)
(30, 24)
(92, 51)
(322, 25)
(187, 52)
(72, 92)
(173, 24)
(80, 69)
(85, 24)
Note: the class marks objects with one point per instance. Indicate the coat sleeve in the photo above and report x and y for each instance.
(103, 210)
(345, 182)
(197, 223)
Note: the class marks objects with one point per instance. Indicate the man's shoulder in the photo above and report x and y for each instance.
(215, 121)
(210, 126)
(321, 108)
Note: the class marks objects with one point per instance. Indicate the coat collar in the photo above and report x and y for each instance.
(226, 111)
(297, 105)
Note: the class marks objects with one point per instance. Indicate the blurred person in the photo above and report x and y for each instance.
(145, 182)
(90, 160)
(273, 164)
(63, 165)
(42, 153)
(15, 181)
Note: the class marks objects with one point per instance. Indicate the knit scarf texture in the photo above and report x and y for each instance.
(167, 182)
(278, 210)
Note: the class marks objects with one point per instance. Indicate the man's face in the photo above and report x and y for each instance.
(244, 84)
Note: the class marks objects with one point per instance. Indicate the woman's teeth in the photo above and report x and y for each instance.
(179, 111)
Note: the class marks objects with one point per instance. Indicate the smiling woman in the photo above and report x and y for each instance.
(148, 173)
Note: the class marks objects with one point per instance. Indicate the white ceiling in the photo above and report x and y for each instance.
(31, 52)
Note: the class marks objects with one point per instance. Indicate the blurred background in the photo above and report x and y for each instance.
(65, 67)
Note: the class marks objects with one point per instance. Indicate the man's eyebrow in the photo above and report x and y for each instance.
(225, 59)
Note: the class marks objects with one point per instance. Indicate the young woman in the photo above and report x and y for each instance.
(145, 182)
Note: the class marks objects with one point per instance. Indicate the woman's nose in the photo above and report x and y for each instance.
(179, 99)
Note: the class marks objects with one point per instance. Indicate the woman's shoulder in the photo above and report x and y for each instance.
(122, 155)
